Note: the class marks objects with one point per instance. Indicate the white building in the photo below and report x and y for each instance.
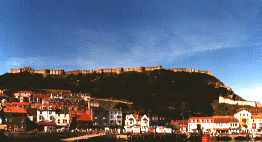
(244, 118)
(115, 117)
(46, 115)
(256, 123)
(225, 124)
(204, 123)
(21, 95)
(62, 119)
(135, 121)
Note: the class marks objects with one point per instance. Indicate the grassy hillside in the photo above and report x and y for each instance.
(171, 93)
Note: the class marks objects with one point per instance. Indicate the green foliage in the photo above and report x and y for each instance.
(73, 124)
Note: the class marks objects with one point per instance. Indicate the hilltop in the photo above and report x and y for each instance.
(158, 91)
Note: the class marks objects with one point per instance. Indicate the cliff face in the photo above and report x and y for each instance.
(117, 70)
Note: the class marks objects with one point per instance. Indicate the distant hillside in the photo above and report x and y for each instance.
(165, 91)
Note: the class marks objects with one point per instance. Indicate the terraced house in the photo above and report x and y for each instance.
(15, 118)
(46, 115)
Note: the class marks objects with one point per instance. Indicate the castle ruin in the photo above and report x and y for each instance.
(242, 103)
(118, 70)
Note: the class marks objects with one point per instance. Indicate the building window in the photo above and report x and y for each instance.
(58, 121)
(42, 107)
(254, 125)
(243, 114)
(51, 118)
(64, 121)
(50, 112)
(40, 112)
(58, 115)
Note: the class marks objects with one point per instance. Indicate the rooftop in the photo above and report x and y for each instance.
(14, 110)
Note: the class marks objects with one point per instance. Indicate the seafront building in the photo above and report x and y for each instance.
(58, 109)
(136, 121)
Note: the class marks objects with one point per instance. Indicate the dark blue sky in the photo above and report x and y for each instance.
(223, 37)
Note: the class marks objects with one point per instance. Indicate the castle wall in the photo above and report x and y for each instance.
(243, 103)
(41, 71)
(56, 72)
(107, 70)
(151, 68)
(118, 70)
(15, 70)
(73, 72)
(128, 69)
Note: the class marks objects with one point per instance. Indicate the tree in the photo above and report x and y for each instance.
(74, 123)
(123, 106)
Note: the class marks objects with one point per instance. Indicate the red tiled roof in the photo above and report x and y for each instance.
(182, 122)
(256, 116)
(18, 103)
(225, 120)
(224, 116)
(46, 123)
(25, 92)
(52, 92)
(4, 95)
(76, 111)
(136, 116)
(179, 122)
(46, 106)
(201, 118)
(65, 91)
(14, 110)
(41, 96)
(173, 122)
(221, 129)
(83, 117)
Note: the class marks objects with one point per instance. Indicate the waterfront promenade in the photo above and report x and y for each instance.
(81, 137)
